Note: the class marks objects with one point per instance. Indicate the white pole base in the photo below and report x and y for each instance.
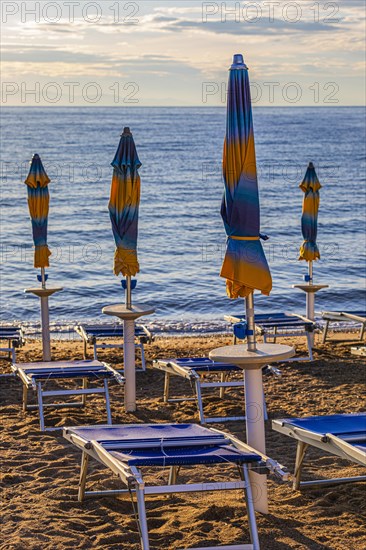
(255, 414)
(129, 364)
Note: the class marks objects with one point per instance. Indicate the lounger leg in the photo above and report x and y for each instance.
(166, 387)
(107, 402)
(85, 385)
(300, 455)
(143, 361)
(173, 475)
(25, 398)
(274, 337)
(40, 406)
(265, 413)
(14, 358)
(84, 349)
(362, 331)
(310, 346)
(250, 509)
(142, 519)
(222, 390)
(199, 401)
(325, 331)
(83, 472)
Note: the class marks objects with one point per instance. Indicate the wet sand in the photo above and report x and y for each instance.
(40, 471)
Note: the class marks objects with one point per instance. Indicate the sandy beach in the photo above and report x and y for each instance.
(40, 472)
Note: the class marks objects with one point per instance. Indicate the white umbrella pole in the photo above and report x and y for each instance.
(310, 301)
(45, 321)
(129, 354)
(254, 412)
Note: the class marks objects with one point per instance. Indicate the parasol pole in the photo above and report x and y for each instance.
(254, 405)
(128, 293)
(45, 320)
(249, 315)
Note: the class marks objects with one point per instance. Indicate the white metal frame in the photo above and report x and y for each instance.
(132, 478)
(196, 379)
(14, 341)
(344, 317)
(273, 335)
(330, 443)
(80, 330)
(37, 385)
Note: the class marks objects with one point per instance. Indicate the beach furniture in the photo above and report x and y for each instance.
(309, 251)
(37, 376)
(344, 317)
(276, 325)
(245, 267)
(124, 212)
(14, 338)
(343, 435)
(127, 449)
(96, 335)
(196, 370)
(38, 202)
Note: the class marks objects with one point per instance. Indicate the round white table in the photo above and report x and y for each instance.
(252, 363)
(43, 294)
(128, 316)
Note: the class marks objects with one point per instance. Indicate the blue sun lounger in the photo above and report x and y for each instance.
(93, 334)
(276, 325)
(344, 317)
(127, 449)
(36, 376)
(195, 370)
(14, 338)
(343, 435)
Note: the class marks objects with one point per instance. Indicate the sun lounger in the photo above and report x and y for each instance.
(343, 435)
(344, 317)
(126, 449)
(195, 370)
(93, 334)
(277, 325)
(14, 338)
(35, 376)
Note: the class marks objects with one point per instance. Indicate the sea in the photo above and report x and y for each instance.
(181, 236)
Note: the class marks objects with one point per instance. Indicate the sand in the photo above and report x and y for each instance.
(40, 471)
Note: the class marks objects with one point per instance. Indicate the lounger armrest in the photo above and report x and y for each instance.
(118, 376)
(272, 465)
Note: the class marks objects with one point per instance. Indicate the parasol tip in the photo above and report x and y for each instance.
(126, 131)
(311, 165)
(35, 156)
(238, 62)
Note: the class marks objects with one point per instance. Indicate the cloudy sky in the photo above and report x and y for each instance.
(154, 52)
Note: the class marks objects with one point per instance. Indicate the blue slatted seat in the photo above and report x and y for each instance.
(35, 376)
(341, 434)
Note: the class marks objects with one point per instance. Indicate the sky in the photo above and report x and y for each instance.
(163, 53)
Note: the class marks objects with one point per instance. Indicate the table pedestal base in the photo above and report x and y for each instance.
(128, 316)
(43, 294)
(252, 362)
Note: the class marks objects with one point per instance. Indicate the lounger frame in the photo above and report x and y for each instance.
(92, 334)
(343, 316)
(329, 442)
(134, 482)
(272, 328)
(37, 384)
(14, 336)
(172, 367)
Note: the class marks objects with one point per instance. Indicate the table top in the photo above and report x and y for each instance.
(42, 292)
(310, 288)
(121, 311)
(241, 356)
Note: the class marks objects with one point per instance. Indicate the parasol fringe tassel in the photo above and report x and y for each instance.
(41, 255)
(125, 262)
(309, 252)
